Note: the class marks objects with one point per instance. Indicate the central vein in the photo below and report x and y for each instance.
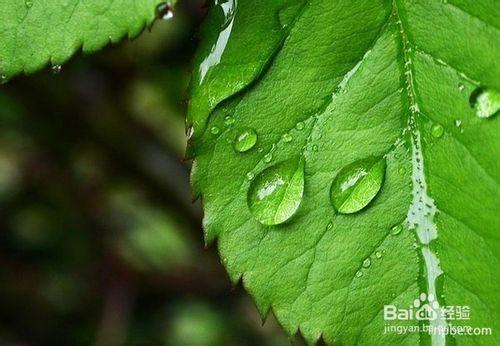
(422, 209)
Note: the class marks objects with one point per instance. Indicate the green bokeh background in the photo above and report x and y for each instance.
(100, 242)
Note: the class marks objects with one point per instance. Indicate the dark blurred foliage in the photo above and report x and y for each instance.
(100, 242)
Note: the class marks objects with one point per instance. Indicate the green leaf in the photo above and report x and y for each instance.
(351, 80)
(34, 33)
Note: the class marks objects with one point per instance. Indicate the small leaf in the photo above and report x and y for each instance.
(37, 32)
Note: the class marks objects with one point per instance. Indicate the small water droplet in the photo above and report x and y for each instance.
(275, 194)
(250, 176)
(56, 69)
(314, 147)
(245, 140)
(395, 230)
(164, 11)
(300, 125)
(437, 130)
(401, 171)
(486, 102)
(378, 254)
(458, 122)
(214, 130)
(357, 184)
(28, 3)
(367, 262)
(268, 157)
(3, 79)
(359, 274)
(329, 226)
(287, 138)
(189, 132)
(228, 120)
(461, 87)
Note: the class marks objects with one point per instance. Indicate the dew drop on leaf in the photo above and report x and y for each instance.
(56, 69)
(245, 140)
(357, 184)
(287, 138)
(486, 102)
(395, 230)
(250, 176)
(461, 87)
(300, 125)
(28, 3)
(228, 120)
(378, 254)
(367, 263)
(268, 157)
(276, 193)
(401, 171)
(164, 11)
(437, 130)
(458, 122)
(359, 274)
(214, 130)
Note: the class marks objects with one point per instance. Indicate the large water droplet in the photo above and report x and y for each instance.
(486, 102)
(245, 140)
(276, 193)
(28, 3)
(437, 130)
(357, 184)
(367, 262)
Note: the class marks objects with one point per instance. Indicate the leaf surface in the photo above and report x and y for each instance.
(34, 33)
(352, 80)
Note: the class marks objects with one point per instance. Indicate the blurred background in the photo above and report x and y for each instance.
(100, 242)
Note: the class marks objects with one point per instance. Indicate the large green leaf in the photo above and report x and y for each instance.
(370, 93)
(36, 32)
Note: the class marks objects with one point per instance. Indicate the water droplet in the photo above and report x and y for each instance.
(228, 120)
(189, 132)
(367, 262)
(250, 176)
(3, 79)
(276, 193)
(486, 102)
(56, 69)
(268, 157)
(245, 140)
(214, 130)
(164, 11)
(461, 87)
(300, 125)
(359, 274)
(401, 171)
(314, 147)
(329, 226)
(395, 230)
(378, 254)
(357, 184)
(458, 122)
(287, 138)
(28, 3)
(437, 130)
